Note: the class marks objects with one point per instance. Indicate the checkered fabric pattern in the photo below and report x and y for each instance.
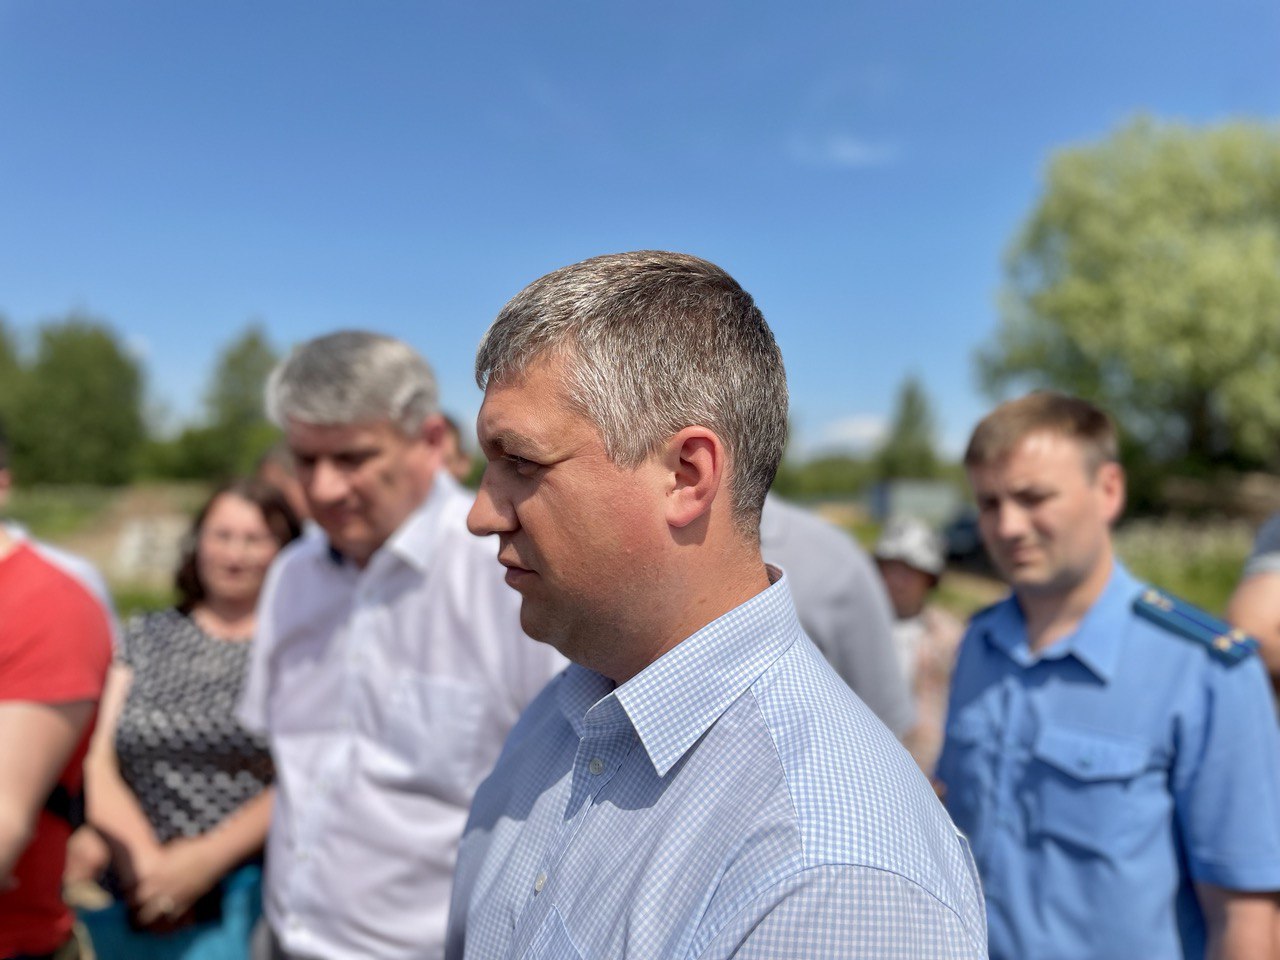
(734, 799)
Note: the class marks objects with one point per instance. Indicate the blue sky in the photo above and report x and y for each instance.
(183, 168)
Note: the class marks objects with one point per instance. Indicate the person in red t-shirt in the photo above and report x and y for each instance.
(55, 647)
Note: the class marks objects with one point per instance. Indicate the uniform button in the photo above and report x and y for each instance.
(596, 766)
(540, 883)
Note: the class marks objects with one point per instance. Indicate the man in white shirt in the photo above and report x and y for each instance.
(389, 665)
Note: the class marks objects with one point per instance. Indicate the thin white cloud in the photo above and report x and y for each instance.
(858, 433)
(845, 119)
(841, 150)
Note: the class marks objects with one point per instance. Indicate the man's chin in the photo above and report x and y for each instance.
(542, 629)
(1023, 575)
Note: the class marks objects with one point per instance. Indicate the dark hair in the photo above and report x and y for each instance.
(276, 512)
(1044, 411)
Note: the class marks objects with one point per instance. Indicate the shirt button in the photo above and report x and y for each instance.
(596, 766)
(540, 883)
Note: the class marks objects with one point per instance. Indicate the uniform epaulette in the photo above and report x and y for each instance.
(1224, 642)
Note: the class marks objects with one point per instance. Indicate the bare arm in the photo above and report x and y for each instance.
(110, 805)
(164, 880)
(36, 742)
(187, 868)
(1255, 609)
(1241, 926)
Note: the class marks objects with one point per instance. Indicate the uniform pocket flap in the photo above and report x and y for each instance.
(1085, 755)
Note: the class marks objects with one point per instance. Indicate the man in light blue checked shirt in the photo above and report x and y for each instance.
(699, 783)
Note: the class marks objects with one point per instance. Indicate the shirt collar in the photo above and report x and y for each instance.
(677, 698)
(414, 540)
(1094, 642)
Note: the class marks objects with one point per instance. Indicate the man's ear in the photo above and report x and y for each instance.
(433, 431)
(1110, 482)
(695, 460)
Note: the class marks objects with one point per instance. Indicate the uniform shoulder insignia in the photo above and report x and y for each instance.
(1191, 623)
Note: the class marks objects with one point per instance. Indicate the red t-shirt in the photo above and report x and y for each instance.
(55, 647)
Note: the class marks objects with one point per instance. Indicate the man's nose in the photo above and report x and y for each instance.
(326, 484)
(491, 512)
(1011, 521)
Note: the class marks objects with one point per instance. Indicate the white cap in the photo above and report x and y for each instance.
(912, 542)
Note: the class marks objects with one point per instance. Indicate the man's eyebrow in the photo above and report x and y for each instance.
(508, 441)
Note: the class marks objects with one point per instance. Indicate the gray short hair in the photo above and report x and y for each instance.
(655, 342)
(353, 377)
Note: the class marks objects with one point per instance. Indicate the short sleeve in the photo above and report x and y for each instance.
(58, 651)
(1227, 782)
(831, 912)
(1265, 557)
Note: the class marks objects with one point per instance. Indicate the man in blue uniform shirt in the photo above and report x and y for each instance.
(1110, 751)
(698, 783)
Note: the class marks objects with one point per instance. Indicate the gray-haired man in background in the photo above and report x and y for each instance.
(390, 662)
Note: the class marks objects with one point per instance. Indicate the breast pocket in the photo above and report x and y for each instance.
(552, 941)
(1084, 788)
(430, 737)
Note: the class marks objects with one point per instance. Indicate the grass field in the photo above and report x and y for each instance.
(57, 513)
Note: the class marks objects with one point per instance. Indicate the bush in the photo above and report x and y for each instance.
(53, 512)
(1199, 562)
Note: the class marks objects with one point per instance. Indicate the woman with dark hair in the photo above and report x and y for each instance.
(179, 790)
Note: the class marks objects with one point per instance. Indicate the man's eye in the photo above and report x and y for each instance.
(520, 464)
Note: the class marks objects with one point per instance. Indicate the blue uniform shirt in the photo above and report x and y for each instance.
(733, 799)
(1100, 779)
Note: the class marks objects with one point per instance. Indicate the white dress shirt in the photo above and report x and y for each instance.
(387, 694)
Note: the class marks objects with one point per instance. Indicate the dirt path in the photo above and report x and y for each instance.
(137, 538)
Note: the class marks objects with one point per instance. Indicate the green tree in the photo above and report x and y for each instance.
(1148, 279)
(10, 371)
(234, 431)
(238, 430)
(76, 416)
(832, 475)
(234, 398)
(909, 450)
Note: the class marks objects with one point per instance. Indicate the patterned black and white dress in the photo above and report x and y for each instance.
(180, 748)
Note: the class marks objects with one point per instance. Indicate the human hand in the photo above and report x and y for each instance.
(939, 788)
(87, 856)
(171, 882)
